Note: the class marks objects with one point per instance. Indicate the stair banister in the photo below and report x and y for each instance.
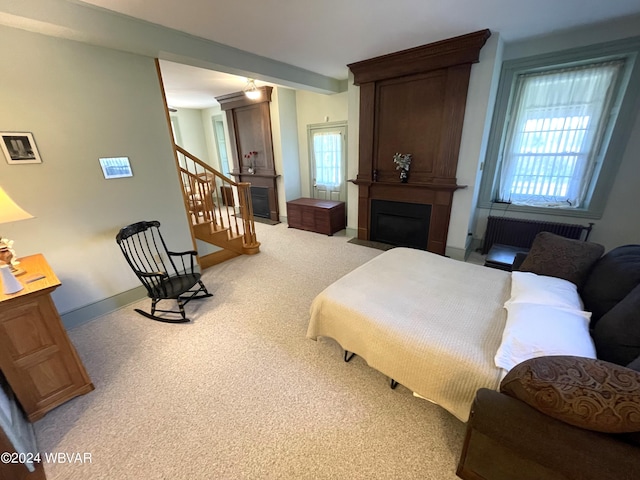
(210, 201)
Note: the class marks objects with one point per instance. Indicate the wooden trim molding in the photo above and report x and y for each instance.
(434, 56)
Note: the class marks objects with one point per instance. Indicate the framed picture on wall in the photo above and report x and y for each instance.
(19, 148)
(116, 167)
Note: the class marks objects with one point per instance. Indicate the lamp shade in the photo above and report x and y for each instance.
(9, 211)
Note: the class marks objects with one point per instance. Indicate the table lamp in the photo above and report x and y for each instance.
(9, 212)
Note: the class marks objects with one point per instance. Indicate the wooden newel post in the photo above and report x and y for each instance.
(246, 210)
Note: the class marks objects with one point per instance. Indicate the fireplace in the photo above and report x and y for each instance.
(260, 201)
(399, 223)
(413, 102)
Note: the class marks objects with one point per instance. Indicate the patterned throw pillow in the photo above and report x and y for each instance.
(588, 393)
(561, 257)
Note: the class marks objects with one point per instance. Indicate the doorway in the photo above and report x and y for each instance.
(327, 153)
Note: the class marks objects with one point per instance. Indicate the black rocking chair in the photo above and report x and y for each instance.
(166, 275)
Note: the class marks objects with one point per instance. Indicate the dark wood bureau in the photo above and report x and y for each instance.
(314, 215)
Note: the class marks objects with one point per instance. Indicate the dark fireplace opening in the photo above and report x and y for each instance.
(260, 201)
(399, 223)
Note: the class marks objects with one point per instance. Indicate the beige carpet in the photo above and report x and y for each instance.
(241, 393)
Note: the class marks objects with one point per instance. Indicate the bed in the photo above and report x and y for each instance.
(431, 323)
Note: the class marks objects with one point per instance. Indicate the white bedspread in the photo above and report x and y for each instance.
(431, 323)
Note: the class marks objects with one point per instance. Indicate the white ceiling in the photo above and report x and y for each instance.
(323, 36)
(192, 87)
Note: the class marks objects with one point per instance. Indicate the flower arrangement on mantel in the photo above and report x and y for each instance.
(250, 156)
(402, 161)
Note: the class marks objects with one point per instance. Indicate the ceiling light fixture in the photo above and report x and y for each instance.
(251, 91)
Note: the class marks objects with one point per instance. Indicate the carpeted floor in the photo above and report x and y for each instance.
(241, 393)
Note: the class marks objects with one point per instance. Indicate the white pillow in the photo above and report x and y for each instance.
(527, 287)
(539, 330)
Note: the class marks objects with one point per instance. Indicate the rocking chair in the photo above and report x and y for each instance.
(166, 275)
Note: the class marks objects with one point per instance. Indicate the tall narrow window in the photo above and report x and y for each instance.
(327, 147)
(221, 144)
(558, 120)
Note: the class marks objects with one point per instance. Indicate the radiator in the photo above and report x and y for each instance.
(518, 232)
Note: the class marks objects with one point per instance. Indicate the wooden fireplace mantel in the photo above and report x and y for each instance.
(250, 175)
(413, 101)
(431, 186)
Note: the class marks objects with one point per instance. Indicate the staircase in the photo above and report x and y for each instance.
(219, 209)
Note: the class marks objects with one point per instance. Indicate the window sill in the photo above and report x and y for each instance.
(554, 212)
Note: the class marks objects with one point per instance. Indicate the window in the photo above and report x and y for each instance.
(221, 144)
(558, 121)
(327, 150)
(555, 140)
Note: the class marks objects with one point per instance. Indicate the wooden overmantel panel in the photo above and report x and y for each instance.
(434, 56)
(413, 101)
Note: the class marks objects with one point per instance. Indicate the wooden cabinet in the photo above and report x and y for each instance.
(36, 355)
(252, 148)
(321, 216)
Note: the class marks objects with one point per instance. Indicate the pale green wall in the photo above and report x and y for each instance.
(83, 102)
(285, 146)
(192, 132)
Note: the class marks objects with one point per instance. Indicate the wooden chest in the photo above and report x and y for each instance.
(321, 216)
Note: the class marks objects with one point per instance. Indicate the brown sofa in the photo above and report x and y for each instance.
(509, 440)
(569, 417)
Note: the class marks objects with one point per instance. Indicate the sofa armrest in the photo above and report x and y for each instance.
(508, 439)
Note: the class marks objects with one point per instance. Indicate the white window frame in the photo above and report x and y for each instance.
(614, 138)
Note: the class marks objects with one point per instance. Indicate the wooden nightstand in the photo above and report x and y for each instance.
(36, 356)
